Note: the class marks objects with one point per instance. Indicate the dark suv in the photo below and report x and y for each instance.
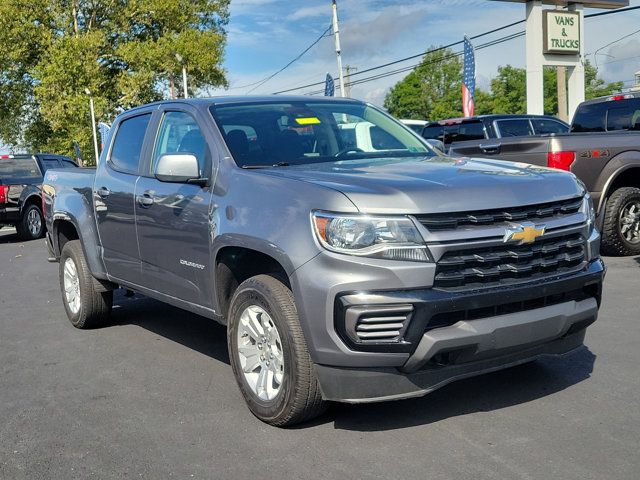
(492, 126)
(20, 185)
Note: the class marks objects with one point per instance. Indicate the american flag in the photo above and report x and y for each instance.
(469, 79)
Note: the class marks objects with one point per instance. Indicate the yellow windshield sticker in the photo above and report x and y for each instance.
(307, 120)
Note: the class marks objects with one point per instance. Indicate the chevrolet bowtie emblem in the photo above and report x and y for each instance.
(524, 233)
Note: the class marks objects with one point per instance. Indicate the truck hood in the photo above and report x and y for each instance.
(436, 184)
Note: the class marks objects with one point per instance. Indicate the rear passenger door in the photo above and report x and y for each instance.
(173, 218)
(114, 190)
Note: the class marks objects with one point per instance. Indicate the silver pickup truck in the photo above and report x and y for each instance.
(602, 150)
(349, 261)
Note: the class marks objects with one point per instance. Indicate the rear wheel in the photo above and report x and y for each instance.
(269, 355)
(85, 300)
(31, 224)
(621, 229)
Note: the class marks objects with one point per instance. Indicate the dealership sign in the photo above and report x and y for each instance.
(561, 32)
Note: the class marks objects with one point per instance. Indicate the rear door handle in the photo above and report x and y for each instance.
(104, 192)
(146, 199)
(490, 148)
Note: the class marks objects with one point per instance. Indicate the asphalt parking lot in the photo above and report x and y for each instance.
(153, 396)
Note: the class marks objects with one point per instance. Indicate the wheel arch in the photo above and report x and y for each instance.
(622, 171)
(239, 258)
(65, 228)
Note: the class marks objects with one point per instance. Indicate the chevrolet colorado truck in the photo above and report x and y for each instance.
(20, 191)
(602, 150)
(342, 273)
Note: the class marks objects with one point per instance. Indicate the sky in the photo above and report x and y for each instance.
(264, 35)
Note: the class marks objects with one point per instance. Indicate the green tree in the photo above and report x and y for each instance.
(432, 90)
(122, 52)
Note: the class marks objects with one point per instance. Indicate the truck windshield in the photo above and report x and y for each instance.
(298, 133)
(19, 168)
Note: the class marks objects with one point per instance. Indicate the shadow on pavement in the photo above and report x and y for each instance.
(485, 393)
(8, 235)
(193, 331)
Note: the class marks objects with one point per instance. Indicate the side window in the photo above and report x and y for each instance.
(68, 164)
(180, 133)
(127, 146)
(626, 117)
(433, 132)
(514, 128)
(48, 163)
(589, 118)
(545, 125)
(470, 131)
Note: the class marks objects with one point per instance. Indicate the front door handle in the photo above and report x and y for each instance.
(490, 148)
(145, 200)
(104, 192)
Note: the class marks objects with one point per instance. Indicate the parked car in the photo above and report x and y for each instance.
(492, 126)
(343, 272)
(415, 125)
(20, 184)
(603, 151)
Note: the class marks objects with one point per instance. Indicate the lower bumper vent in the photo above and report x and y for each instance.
(377, 324)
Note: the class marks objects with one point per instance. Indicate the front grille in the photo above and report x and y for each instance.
(478, 267)
(446, 319)
(451, 221)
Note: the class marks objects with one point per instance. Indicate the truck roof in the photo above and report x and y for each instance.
(612, 97)
(222, 100)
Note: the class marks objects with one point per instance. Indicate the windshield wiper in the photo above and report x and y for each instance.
(279, 164)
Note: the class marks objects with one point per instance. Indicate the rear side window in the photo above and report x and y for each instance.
(589, 118)
(49, 163)
(68, 164)
(127, 146)
(545, 125)
(514, 128)
(624, 117)
(470, 131)
(434, 132)
(19, 168)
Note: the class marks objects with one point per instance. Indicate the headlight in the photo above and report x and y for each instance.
(394, 238)
(589, 211)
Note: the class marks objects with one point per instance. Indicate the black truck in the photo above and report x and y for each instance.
(20, 188)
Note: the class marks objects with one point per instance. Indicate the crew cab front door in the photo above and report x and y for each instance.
(114, 198)
(173, 218)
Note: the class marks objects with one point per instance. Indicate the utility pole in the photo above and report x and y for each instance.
(349, 69)
(336, 34)
(562, 94)
(93, 124)
(184, 75)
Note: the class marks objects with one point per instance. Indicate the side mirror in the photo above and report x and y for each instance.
(436, 144)
(178, 168)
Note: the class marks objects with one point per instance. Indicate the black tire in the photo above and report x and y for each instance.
(613, 241)
(299, 398)
(24, 226)
(95, 301)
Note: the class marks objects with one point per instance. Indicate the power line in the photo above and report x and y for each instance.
(360, 72)
(434, 61)
(266, 79)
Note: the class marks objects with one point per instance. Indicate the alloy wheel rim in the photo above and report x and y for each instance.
(630, 222)
(71, 285)
(260, 352)
(34, 223)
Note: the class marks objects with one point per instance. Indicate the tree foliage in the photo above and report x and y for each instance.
(123, 52)
(433, 90)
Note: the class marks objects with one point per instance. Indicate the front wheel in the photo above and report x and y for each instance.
(86, 303)
(621, 228)
(269, 355)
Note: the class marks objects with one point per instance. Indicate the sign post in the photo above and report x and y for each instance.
(556, 37)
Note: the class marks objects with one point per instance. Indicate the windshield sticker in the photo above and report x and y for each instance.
(307, 120)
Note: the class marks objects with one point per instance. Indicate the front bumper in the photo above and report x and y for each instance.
(432, 355)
